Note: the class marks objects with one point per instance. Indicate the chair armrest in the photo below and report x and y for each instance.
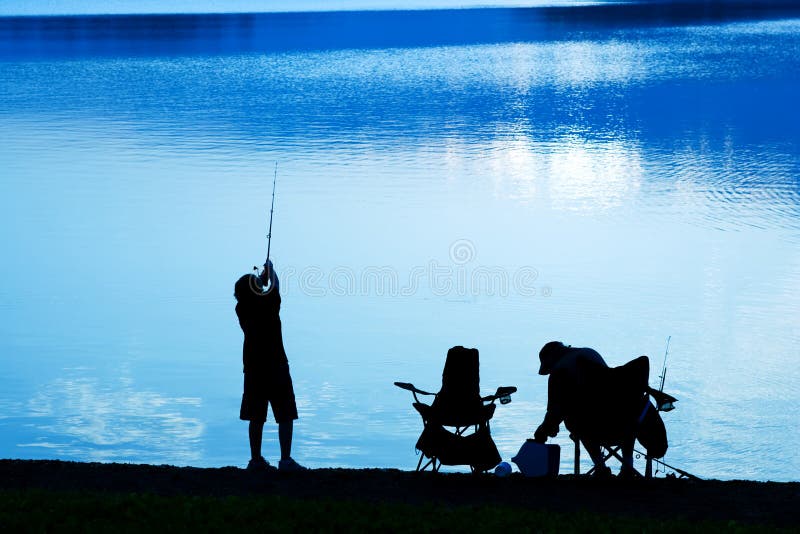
(503, 393)
(412, 388)
(664, 401)
(505, 390)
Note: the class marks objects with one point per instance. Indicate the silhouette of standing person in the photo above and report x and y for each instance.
(266, 369)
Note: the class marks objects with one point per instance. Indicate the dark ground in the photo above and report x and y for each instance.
(761, 503)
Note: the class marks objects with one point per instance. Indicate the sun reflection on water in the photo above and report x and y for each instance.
(81, 417)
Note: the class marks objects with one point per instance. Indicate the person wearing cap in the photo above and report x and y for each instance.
(266, 368)
(571, 371)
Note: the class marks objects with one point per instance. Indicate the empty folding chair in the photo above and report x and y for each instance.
(456, 424)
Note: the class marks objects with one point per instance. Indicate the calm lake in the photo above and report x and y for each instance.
(608, 176)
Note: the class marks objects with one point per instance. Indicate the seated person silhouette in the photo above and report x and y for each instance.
(580, 393)
(266, 369)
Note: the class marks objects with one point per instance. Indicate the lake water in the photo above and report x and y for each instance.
(607, 176)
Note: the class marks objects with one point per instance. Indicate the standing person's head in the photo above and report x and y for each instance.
(247, 287)
(549, 355)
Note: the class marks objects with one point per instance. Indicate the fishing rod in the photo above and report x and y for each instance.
(269, 232)
(664, 401)
(271, 210)
(664, 367)
(680, 472)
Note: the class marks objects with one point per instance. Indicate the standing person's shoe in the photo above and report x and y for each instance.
(289, 465)
(258, 464)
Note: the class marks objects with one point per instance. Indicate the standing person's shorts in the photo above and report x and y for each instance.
(272, 386)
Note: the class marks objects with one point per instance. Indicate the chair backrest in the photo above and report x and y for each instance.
(459, 401)
(610, 402)
(616, 389)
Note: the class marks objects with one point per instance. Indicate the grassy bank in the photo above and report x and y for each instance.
(50, 496)
(53, 511)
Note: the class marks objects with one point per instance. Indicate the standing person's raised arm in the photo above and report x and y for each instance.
(269, 278)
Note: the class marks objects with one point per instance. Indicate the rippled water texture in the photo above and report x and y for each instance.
(607, 176)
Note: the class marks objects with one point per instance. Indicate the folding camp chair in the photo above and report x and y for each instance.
(456, 424)
(634, 416)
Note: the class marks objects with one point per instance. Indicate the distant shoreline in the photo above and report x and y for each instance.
(642, 7)
(169, 34)
(344, 6)
(761, 504)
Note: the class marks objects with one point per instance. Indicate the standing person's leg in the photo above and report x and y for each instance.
(255, 432)
(285, 430)
(254, 410)
(284, 408)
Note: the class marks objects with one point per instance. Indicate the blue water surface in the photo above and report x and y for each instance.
(605, 175)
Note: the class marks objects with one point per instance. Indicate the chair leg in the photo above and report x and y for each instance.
(609, 453)
(614, 451)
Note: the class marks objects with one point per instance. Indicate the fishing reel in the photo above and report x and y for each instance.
(264, 275)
